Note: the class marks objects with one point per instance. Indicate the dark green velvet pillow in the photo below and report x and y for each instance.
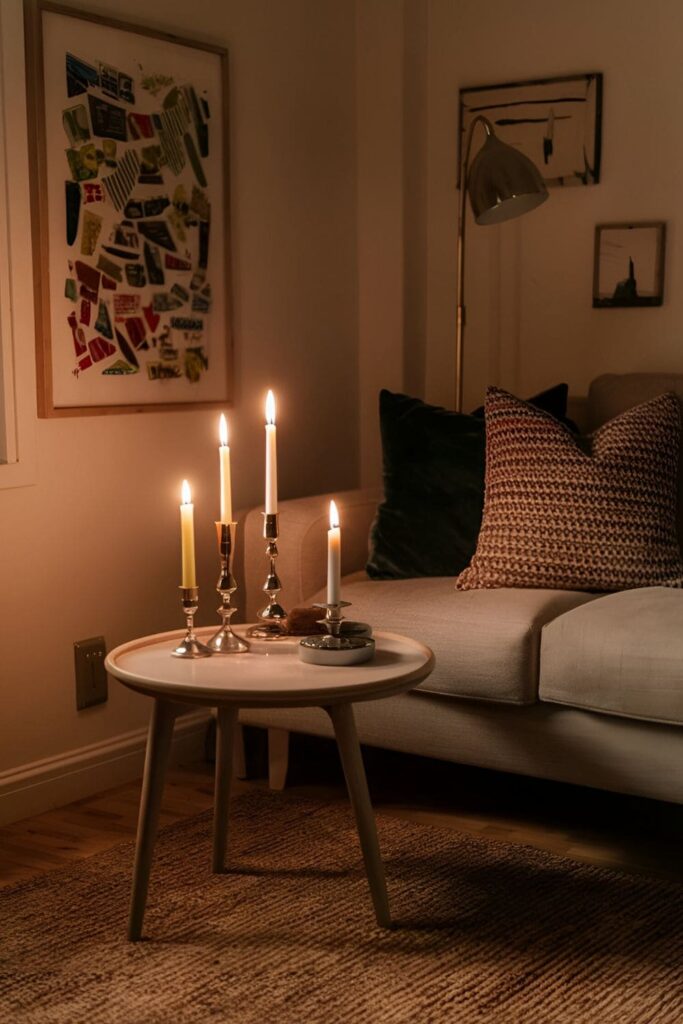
(434, 463)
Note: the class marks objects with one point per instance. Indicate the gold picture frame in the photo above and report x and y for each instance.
(144, 167)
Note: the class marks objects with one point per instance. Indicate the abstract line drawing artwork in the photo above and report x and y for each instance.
(130, 215)
(629, 265)
(556, 122)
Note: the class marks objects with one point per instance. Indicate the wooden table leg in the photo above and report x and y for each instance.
(226, 727)
(278, 757)
(156, 759)
(356, 782)
(239, 757)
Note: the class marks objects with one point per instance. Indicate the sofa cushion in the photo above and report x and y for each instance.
(486, 642)
(597, 514)
(621, 655)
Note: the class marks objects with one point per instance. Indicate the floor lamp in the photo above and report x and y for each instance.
(502, 183)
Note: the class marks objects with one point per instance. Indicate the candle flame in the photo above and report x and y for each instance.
(334, 516)
(270, 407)
(223, 431)
(187, 493)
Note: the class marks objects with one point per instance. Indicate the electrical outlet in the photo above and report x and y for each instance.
(91, 678)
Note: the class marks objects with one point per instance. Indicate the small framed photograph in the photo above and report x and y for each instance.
(129, 184)
(629, 265)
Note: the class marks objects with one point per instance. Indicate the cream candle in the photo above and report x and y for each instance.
(333, 557)
(271, 456)
(189, 577)
(226, 481)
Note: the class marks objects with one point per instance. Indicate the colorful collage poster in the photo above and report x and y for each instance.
(132, 207)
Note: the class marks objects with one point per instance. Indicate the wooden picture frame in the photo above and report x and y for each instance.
(556, 122)
(628, 265)
(129, 175)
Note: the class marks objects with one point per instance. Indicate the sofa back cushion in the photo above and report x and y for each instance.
(594, 514)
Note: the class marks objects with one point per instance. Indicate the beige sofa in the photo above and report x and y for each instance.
(577, 687)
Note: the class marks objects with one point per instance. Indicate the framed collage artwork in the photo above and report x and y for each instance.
(128, 137)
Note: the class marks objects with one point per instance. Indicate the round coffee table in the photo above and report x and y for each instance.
(269, 675)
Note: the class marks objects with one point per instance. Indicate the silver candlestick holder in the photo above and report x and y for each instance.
(190, 646)
(224, 641)
(273, 615)
(333, 647)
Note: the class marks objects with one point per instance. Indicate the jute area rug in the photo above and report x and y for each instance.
(484, 932)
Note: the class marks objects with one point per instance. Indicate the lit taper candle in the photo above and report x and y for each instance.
(187, 537)
(226, 482)
(271, 456)
(333, 557)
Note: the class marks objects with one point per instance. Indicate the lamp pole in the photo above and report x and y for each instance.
(460, 276)
(502, 183)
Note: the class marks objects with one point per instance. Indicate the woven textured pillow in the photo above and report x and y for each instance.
(570, 514)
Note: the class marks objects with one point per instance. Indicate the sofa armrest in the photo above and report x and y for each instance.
(302, 546)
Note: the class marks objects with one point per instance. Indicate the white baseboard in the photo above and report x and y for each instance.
(55, 781)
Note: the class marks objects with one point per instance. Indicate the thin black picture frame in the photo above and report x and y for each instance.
(626, 301)
(596, 76)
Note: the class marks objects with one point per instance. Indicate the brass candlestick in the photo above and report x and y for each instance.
(225, 641)
(273, 615)
(190, 646)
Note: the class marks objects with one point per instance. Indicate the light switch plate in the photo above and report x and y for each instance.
(91, 678)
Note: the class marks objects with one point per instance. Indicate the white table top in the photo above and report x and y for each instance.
(270, 674)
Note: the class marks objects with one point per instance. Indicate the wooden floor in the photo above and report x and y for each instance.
(622, 832)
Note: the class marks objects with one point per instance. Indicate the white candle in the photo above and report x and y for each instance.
(226, 482)
(333, 557)
(187, 537)
(271, 456)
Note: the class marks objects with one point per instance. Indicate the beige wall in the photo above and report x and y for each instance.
(529, 281)
(92, 547)
(380, 183)
(391, 104)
